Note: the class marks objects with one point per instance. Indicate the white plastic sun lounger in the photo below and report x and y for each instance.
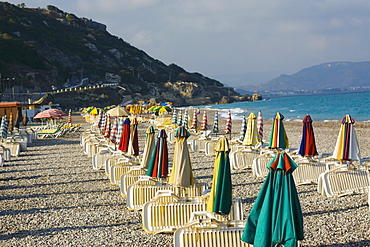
(243, 159)
(146, 188)
(204, 230)
(130, 177)
(344, 180)
(308, 171)
(167, 212)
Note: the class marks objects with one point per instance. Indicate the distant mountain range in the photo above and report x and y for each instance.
(324, 78)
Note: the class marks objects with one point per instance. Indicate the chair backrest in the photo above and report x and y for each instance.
(129, 178)
(143, 191)
(308, 172)
(243, 159)
(344, 180)
(167, 212)
(210, 233)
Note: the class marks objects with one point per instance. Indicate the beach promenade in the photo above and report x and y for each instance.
(51, 196)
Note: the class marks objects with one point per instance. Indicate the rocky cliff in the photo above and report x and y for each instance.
(43, 49)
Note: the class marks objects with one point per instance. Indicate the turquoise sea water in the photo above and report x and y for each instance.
(332, 107)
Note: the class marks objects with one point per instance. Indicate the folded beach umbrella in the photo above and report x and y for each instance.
(133, 146)
(215, 123)
(260, 126)
(158, 165)
(99, 119)
(251, 135)
(174, 117)
(148, 148)
(276, 217)
(179, 118)
(125, 137)
(4, 127)
(69, 121)
(308, 144)
(11, 124)
(220, 199)
(278, 136)
(114, 131)
(194, 123)
(119, 129)
(186, 119)
(346, 148)
(203, 126)
(228, 124)
(103, 123)
(182, 172)
(107, 129)
(243, 129)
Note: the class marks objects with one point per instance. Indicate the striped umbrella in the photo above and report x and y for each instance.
(149, 147)
(194, 123)
(179, 118)
(204, 122)
(133, 146)
(186, 119)
(215, 123)
(228, 124)
(99, 119)
(276, 217)
(174, 116)
(11, 124)
(308, 145)
(243, 129)
(260, 126)
(251, 135)
(125, 137)
(220, 198)
(158, 164)
(119, 129)
(182, 172)
(107, 127)
(69, 121)
(114, 131)
(103, 123)
(346, 148)
(4, 127)
(278, 136)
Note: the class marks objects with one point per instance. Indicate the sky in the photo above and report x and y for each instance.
(231, 37)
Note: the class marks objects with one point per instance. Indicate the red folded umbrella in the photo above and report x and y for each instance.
(125, 137)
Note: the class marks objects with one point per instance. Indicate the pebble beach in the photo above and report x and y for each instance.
(51, 196)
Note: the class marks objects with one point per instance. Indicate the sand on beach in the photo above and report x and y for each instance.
(51, 196)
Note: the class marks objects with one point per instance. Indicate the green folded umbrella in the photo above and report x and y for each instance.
(276, 216)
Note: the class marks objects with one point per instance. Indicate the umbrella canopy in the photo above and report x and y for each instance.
(119, 129)
(11, 123)
(114, 131)
(251, 135)
(69, 117)
(243, 129)
(308, 145)
(276, 216)
(174, 117)
(179, 118)
(107, 129)
(99, 119)
(118, 112)
(48, 114)
(203, 126)
(278, 136)
(4, 127)
(346, 148)
(57, 111)
(158, 165)
(228, 124)
(125, 137)
(133, 146)
(182, 172)
(103, 123)
(186, 119)
(220, 199)
(194, 124)
(149, 147)
(260, 126)
(215, 123)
